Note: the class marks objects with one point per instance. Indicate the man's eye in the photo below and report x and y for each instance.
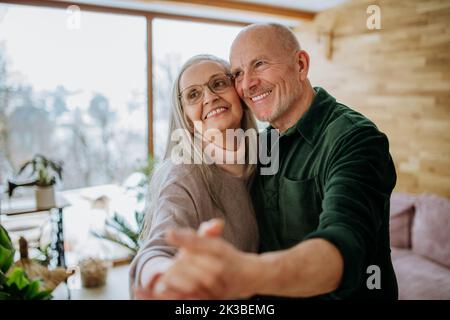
(259, 63)
(237, 75)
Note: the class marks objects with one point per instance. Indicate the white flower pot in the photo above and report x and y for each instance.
(45, 197)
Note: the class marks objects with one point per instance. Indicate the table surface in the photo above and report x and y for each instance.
(116, 287)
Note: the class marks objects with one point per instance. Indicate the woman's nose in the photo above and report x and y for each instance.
(209, 96)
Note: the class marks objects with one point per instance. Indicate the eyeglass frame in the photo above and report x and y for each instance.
(228, 75)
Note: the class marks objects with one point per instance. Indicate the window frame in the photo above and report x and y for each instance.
(149, 16)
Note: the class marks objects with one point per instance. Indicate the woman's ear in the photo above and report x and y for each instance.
(190, 126)
(189, 123)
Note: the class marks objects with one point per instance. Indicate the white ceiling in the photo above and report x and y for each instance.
(221, 13)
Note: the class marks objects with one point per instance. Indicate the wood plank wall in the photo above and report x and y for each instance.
(398, 76)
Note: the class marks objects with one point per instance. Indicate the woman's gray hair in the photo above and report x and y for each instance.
(178, 120)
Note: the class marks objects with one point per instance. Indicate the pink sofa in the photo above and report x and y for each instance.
(420, 244)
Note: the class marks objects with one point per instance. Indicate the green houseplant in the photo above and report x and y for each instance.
(46, 173)
(14, 282)
(121, 233)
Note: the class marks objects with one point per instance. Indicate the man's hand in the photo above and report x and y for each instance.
(206, 268)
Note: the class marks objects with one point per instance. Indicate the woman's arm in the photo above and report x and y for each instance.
(175, 207)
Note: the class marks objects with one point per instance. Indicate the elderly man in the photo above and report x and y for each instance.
(323, 217)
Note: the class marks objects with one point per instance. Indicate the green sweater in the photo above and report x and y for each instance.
(334, 182)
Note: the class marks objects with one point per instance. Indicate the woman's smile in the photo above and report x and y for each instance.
(216, 112)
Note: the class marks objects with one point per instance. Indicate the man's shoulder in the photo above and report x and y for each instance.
(345, 122)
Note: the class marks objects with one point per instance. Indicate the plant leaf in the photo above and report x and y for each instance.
(5, 240)
(18, 278)
(2, 278)
(32, 290)
(24, 166)
(119, 223)
(43, 295)
(6, 258)
(45, 169)
(139, 216)
(4, 295)
(116, 240)
(57, 168)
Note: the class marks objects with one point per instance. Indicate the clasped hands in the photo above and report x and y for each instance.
(205, 267)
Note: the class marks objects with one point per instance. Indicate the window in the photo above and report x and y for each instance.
(73, 94)
(78, 95)
(174, 42)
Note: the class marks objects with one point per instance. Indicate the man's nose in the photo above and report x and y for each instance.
(249, 84)
(209, 96)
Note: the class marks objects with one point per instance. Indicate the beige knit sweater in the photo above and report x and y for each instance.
(184, 202)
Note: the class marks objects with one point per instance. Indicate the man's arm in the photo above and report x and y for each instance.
(311, 268)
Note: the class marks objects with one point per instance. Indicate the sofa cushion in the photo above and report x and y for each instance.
(402, 213)
(431, 228)
(420, 278)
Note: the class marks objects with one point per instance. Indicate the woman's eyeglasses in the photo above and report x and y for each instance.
(217, 84)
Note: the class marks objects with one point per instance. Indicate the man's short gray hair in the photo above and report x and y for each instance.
(288, 40)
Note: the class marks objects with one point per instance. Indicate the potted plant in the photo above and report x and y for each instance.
(46, 173)
(121, 233)
(15, 283)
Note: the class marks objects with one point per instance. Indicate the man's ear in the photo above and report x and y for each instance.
(302, 59)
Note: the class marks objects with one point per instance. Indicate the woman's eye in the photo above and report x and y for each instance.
(193, 94)
(219, 84)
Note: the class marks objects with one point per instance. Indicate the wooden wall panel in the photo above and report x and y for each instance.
(398, 76)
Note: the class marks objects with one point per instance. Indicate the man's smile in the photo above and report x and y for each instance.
(261, 96)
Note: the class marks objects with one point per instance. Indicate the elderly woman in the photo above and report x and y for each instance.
(191, 192)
